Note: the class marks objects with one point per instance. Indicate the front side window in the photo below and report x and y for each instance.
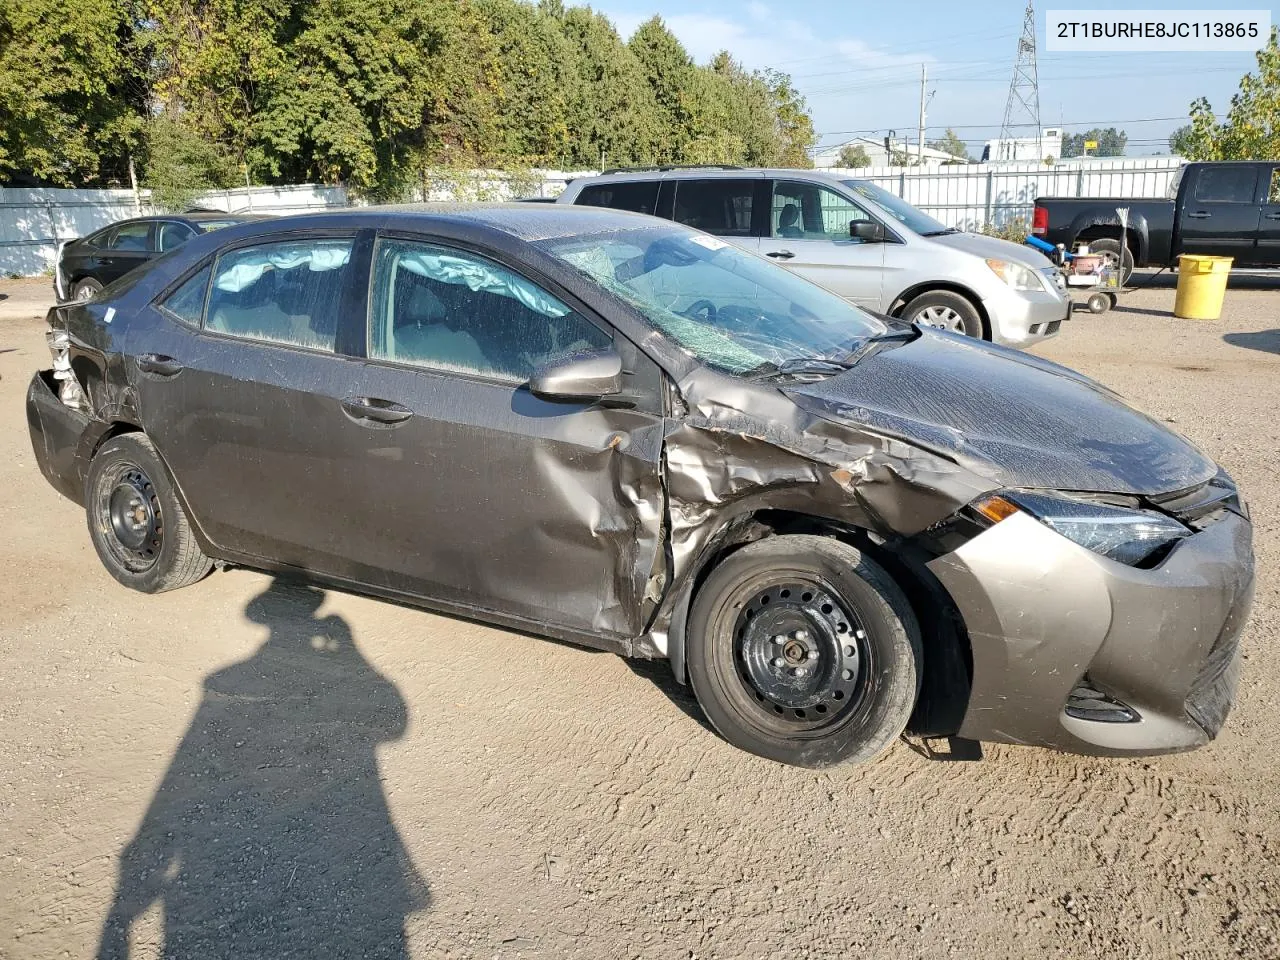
(722, 207)
(172, 235)
(129, 237)
(187, 302)
(639, 197)
(1226, 184)
(733, 311)
(286, 292)
(1273, 190)
(806, 211)
(451, 310)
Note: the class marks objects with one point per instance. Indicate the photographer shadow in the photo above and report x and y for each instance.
(270, 835)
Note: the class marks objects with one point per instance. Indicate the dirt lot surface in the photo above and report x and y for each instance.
(197, 765)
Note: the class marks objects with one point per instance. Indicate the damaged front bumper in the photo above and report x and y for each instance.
(1074, 651)
(60, 435)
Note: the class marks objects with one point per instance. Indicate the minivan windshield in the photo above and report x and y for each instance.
(899, 209)
(733, 311)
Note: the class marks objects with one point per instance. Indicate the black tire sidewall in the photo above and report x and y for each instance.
(132, 448)
(969, 316)
(88, 283)
(892, 635)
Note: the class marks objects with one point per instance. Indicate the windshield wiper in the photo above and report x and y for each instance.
(797, 365)
(940, 233)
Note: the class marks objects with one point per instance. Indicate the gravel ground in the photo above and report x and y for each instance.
(197, 765)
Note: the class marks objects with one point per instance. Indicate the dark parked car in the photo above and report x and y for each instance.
(622, 432)
(86, 265)
(1222, 209)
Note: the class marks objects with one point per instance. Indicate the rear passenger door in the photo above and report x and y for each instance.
(728, 207)
(127, 246)
(809, 233)
(241, 387)
(1220, 212)
(1268, 252)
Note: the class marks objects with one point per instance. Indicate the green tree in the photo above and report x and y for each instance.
(793, 126)
(853, 155)
(1111, 143)
(670, 72)
(951, 143)
(181, 165)
(1180, 141)
(1251, 129)
(73, 91)
(615, 121)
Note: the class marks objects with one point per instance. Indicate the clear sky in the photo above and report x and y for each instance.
(858, 63)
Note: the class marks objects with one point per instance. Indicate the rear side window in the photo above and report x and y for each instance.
(452, 310)
(187, 302)
(172, 235)
(640, 197)
(1226, 184)
(722, 207)
(129, 237)
(285, 292)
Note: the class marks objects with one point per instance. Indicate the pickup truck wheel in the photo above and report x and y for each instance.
(1110, 250)
(944, 310)
(136, 523)
(803, 650)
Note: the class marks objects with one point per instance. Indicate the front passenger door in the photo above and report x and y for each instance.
(478, 493)
(809, 233)
(1220, 212)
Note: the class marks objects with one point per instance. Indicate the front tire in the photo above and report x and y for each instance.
(945, 310)
(803, 650)
(135, 521)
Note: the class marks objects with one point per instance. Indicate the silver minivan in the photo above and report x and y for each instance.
(857, 240)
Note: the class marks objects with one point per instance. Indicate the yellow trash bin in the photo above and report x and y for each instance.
(1202, 285)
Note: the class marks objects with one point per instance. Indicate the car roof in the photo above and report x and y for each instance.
(524, 221)
(216, 216)
(709, 173)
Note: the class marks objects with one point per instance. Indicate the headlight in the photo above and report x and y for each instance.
(1015, 275)
(1125, 535)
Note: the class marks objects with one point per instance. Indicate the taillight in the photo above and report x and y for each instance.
(1040, 222)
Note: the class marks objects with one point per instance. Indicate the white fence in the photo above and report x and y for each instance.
(34, 220)
(969, 196)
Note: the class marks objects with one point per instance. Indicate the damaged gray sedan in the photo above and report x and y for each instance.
(623, 433)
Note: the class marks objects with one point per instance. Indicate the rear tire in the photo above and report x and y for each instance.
(85, 289)
(1110, 250)
(135, 521)
(945, 310)
(803, 650)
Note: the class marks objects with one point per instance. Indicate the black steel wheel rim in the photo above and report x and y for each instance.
(801, 653)
(130, 517)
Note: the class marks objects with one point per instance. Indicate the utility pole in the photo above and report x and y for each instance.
(924, 79)
(1024, 91)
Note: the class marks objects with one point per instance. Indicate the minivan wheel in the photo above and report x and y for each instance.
(803, 650)
(135, 521)
(946, 311)
(86, 289)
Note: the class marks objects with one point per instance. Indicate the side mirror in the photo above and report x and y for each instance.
(868, 231)
(580, 376)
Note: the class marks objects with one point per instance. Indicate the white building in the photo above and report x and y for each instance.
(1048, 144)
(826, 157)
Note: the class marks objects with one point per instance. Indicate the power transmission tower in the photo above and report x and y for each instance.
(1022, 109)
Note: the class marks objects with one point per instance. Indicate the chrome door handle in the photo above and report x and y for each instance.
(375, 410)
(1198, 215)
(780, 254)
(159, 364)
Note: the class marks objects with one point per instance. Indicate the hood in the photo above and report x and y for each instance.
(995, 249)
(1013, 418)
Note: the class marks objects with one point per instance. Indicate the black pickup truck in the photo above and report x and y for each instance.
(1226, 209)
